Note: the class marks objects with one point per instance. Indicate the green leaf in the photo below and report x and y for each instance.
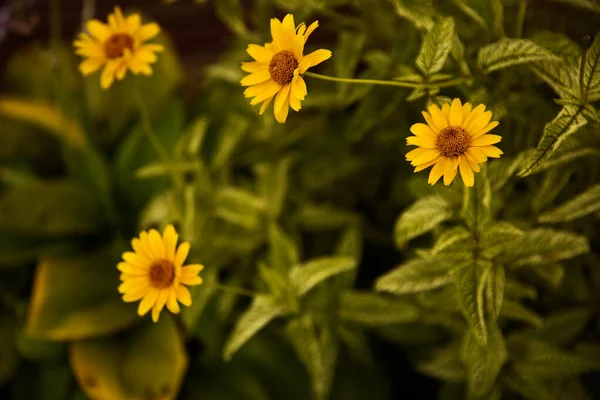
(477, 202)
(554, 181)
(529, 388)
(589, 5)
(471, 279)
(148, 362)
(444, 364)
(49, 209)
(514, 310)
(17, 250)
(350, 243)
(36, 350)
(239, 207)
(495, 290)
(518, 290)
(544, 361)
(272, 184)
(370, 309)
(508, 52)
(500, 171)
(317, 217)
(452, 240)
(310, 274)
(541, 246)
(189, 145)
(77, 298)
(262, 311)
(562, 327)
(231, 133)
(436, 47)
(483, 363)
(581, 205)
(415, 276)
(421, 217)
(318, 350)
(552, 274)
(591, 69)
(418, 12)
(567, 122)
(497, 235)
(283, 254)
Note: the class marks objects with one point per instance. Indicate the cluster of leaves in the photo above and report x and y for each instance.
(496, 289)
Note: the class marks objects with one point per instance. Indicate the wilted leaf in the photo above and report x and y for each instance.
(415, 276)
(581, 205)
(262, 311)
(436, 46)
(148, 362)
(421, 217)
(507, 52)
(369, 309)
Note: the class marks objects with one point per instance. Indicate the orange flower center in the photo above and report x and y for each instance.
(453, 141)
(282, 67)
(115, 46)
(162, 273)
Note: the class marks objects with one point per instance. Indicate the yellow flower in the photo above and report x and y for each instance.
(277, 71)
(118, 46)
(454, 138)
(154, 272)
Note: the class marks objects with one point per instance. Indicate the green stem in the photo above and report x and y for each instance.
(520, 18)
(232, 289)
(452, 82)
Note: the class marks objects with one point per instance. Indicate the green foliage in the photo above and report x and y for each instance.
(421, 217)
(583, 204)
(508, 52)
(436, 47)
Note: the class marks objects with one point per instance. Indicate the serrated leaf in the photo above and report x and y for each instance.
(317, 350)
(591, 69)
(483, 363)
(514, 310)
(476, 208)
(453, 239)
(559, 76)
(495, 290)
(262, 311)
(471, 279)
(415, 276)
(495, 237)
(310, 274)
(508, 52)
(444, 364)
(421, 217)
(567, 122)
(544, 361)
(562, 327)
(418, 12)
(370, 309)
(436, 47)
(581, 205)
(544, 246)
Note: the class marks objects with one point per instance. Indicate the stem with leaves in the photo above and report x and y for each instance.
(413, 85)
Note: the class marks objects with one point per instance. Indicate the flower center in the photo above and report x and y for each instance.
(282, 67)
(453, 141)
(115, 46)
(162, 273)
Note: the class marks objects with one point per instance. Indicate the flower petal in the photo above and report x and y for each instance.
(491, 151)
(131, 270)
(436, 172)
(267, 89)
(98, 29)
(312, 59)
(156, 241)
(456, 113)
(423, 130)
(259, 53)
(255, 66)
(476, 113)
(472, 162)
(281, 100)
(182, 253)
(430, 122)
(172, 304)
(479, 123)
(170, 238)
(450, 169)
(184, 296)
(135, 295)
(265, 104)
(148, 301)
(429, 155)
(438, 118)
(486, 140)
(136, 260)
(160, 303)
(108, 74)
(425, 142)
(466, 172)
(90, 66)
(421, 167)
(256, 78)
(310, 30)
(299, 88)
(477, 154)
(147, 31)
(487, 128)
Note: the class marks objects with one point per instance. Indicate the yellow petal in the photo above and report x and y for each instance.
(268, 89)
(281, 100)
(446, 111)
(421, 167)
(310, 30)
(427, 156)
(450, 170)
(146, 55)
(98, 29)
(479, 123)
(476, 113)
(135, 295)
(148, 301)
(466, 110)
(491, 151)
(131, 270)
(456, 113)
(184, 296)
(438, 118)
(430, 122)
(108, 74)
(472, 162)
(486, 140)
(133, 22)
(477, 154)
(182, 253)
(160, 303)
(411, 155)
(299, 88)
(289, 30)
(281, 116)
(423, 130)
(191, 281)
(425, 142)
(136, 260)
(255, 66)
(191, 270)
(280, 40)
(157, 243)
(170, 238)
(466, 172)
(256, 78)
(172, 304)
(312, 59)
(298, 44)
(133, 284)
(487, 128)
(90, 66)
(260, 88)
(265, 104)
(436, 172)
(147, 249)
(295, 103)
(120, 72)
(147, 31)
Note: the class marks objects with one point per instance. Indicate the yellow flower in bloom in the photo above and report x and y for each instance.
(277, 71)
(454, 138)
(118, 46)
(154, 272)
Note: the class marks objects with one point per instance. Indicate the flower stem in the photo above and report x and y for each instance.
(413, 85)
(232, 289)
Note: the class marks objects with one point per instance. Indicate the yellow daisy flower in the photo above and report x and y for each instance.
(154, 272)
(118, 46)
(453, 138)
(277, 71)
